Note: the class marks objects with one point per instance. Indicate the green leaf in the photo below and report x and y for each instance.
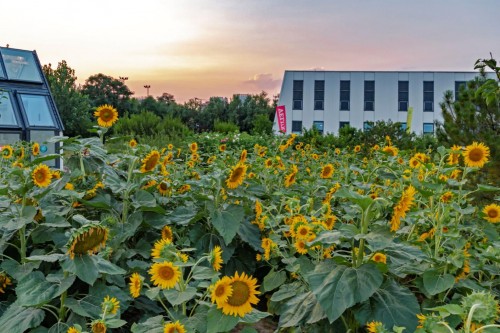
(86, 269)
(176, 297)
(297, 309)
(204, 273)
(361, 200)
(115, 323)
(435, 282)
(487, 188)
(48, 257)
(273, 280)
(151, 325)
(391, 304)
(327, 238)
(219, 322)
(338, 288)
(286, 291)
(17, 319)
(153, 293)
(182, 215)
(447, 309)
(254, 316)
(35, 290)
(250, 233)
(144, 199)
(227, 222)
(104, 266)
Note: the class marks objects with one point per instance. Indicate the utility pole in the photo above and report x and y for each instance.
(147, 86)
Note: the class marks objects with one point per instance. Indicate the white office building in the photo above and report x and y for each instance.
(329, 100)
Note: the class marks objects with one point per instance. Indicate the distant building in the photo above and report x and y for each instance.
(329, 100)
(27, 109)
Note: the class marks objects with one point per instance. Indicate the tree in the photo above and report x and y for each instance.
(73, 106)
(103, 89)
(474, 115)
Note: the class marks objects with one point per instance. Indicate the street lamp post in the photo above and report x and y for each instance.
(123, 78)
(147, 86)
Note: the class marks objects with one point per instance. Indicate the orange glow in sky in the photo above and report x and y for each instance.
(203, 48)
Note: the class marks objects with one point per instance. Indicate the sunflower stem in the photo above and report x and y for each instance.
(22, 239)
(62, 308)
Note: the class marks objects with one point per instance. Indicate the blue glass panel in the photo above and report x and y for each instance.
(7, 116)
(37, 110)
(20, 65)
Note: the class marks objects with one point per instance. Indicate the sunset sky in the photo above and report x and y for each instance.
(203, 48)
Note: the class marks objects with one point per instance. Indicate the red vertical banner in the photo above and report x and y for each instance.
(281, 114)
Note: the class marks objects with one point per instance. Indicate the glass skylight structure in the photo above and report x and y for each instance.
(27, 109)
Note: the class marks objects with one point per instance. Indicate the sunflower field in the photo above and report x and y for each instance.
(216, 235)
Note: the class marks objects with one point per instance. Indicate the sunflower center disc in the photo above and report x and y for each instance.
(476, 155)
(241, 294)
(166, 273)
(492, 213)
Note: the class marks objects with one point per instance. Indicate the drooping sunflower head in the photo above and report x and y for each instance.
(35, 149)
(135, 285)
(110, 305)
(244, 294)
(215, 258)
(165, 274)
(150, 161)
(176, 327)
(73, 329)
(327, 171)
(492, 213)
(87, 240)
(98, 326)
(106, 115)
(379, 257)
(41, 175)
(237, 176)
(132, 143)
(193, 147)
(163, 248)
(476, 155)
(167, 233)
(7, 151)
(375, 327)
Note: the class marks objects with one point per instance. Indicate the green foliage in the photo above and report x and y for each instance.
(225, 127)
(262, 125)
(103, 89)
(74, 107)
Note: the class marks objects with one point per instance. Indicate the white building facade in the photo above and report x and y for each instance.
(329, 100)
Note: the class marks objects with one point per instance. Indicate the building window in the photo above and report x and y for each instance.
(428, 128)
(37, 110)
(319, 126)
(402, 95)
(367, 125)
(403, 126)
(20, 65)
(369, 95)
(429, 96)
(297, 126)
(319, 95)
(343, 124)
(7, 116)
(458, 85)
(298, 94)
(345, 95)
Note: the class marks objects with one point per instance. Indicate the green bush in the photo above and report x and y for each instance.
(225, 127)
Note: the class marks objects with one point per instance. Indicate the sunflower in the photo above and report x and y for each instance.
(184, 188)
(7, 151)
(161, 248)
(4, 282)
(163, 188)
(35, 149)
(327, 171)
(221, 291)
(237, 175)
(303, 231)
(290, 179)
(73, 329)
(98, 326)
(193, 147)
(167, 234)
(446, 197)
(357, 149)
(135, 285)
(376, 147)
(176, 327)
(106, 115)
(329, 221)
(476, 155)
(20, 153)
(402, 207)
(268, 163)
(456, 151)
(41, 175)
(414, 163)
(88, 239)
(258, 209)
(379, 257)
(267, 244)
(243, 156)
(222, 147)
(195, 157)
(110, 305)
(300, 246)
(149, 184)
(375, 327)
(168, 159)
(492, 213)
(390, 150)
(164, 274)
(132, 143)
(215, 258)
(243, 296)
(149, 162)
